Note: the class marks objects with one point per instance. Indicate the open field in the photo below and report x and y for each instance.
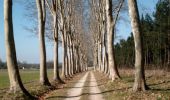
(26, 75)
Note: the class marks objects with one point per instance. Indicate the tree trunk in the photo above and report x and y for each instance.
(41, 21)
(140, 83)
(64, 56)
(110, 39)
(168, 62)
(68, 56)
(56, 67)
(71, 56)
(78, 60)
(74, 59)
(95, 57)
(13, 71)
(105, 60)
(100, 54)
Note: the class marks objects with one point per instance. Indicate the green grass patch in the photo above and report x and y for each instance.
(26, 76)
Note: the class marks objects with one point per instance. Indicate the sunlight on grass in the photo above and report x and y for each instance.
(158, 81)
(26, 75)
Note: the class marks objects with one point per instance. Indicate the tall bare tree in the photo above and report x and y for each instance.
(111, 22)
(140, 83)
(54, 10)
(41, 22)
(13, 71)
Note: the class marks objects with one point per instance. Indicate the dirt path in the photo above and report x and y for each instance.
(76, 91)
(95, 93)
(83, 88)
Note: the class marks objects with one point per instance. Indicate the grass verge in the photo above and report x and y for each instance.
(157, 80)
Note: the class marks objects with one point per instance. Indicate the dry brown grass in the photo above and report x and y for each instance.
(157, 80)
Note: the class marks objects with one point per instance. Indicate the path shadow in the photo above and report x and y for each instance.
(103, 92)
(160, 83)
(161, 90)
(88, 81)
(83, 86)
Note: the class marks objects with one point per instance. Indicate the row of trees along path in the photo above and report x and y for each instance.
(68, 22)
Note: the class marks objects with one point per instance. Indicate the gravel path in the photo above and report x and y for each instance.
(76, 91)
(95, 93)
(83, 89)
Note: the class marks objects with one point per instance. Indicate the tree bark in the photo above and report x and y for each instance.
(71, 55)
(54, 9)
(56, 67)
(75, 59)
(13, 71)
(140, 83)
(41, 21)
(64, 56)
(110, 39)
(56, 72)
(68, 56)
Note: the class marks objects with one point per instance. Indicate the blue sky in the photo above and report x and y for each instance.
(27, 44)
(124, 27)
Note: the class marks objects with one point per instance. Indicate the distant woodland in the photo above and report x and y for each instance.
(156, 40)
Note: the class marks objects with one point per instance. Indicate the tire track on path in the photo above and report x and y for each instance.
(95, 93)
(76, 91)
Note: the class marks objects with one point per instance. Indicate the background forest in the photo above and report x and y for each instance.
(156, 40)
